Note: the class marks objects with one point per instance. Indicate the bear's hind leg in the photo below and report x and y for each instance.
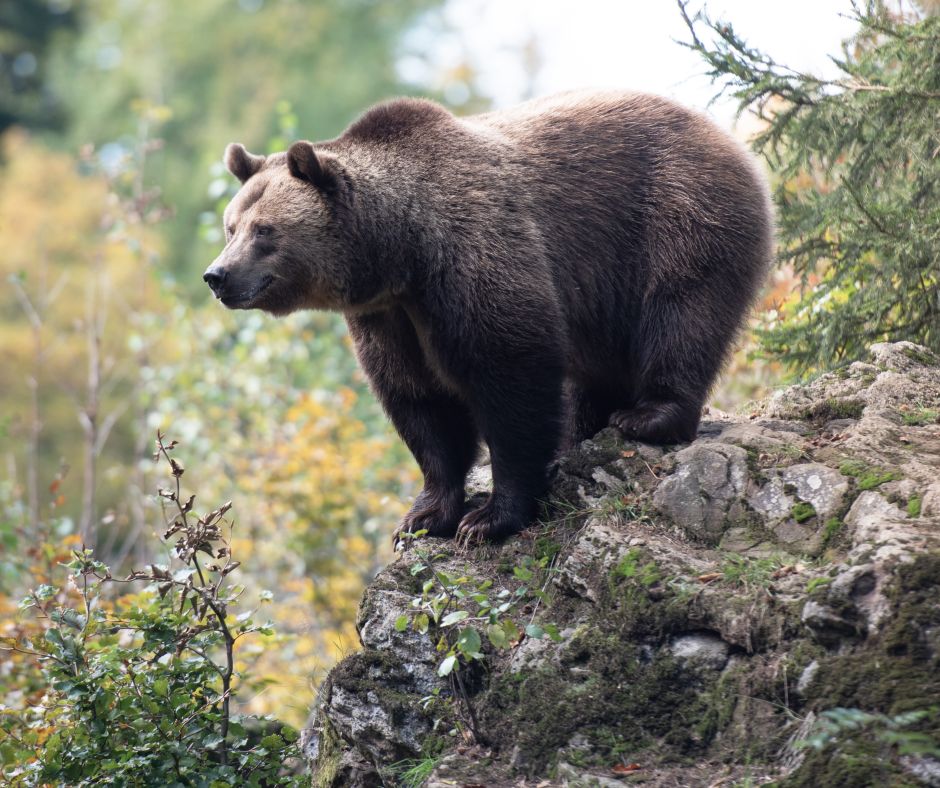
(680, 347)
(658, 422)
(588, 408)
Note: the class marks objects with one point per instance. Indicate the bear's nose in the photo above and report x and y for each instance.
(214, 277)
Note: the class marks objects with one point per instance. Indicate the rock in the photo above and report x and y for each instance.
(574, 777)
(787, 560)
(700, 650)
(829, 625)
(822, 487)
(924, 768)
(705, 491)
(806, 678)
(902, 356)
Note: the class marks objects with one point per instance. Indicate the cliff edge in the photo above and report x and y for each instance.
(762, 604)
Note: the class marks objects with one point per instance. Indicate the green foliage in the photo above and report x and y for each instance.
(139, 687)
(802, 511)
(852, 732)
(632, 566)
(858, 182)
(460, 611)
(817, 582)
(914, 504)
(920, 417)
(867, 477)
(413, 773)
(748, 572)
(832, 529)
(624, 504)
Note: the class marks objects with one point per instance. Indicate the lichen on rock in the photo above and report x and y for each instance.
(717, 603)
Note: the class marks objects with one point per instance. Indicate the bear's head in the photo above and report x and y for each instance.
(283, 249)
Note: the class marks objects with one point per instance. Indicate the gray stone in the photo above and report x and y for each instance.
(806, 678)
(771, 501)
(902, 356)
(701, 494)
(819, 485)
(379, 731)
(703, 650)
(797, 537)
(828, 625)
(924, 767)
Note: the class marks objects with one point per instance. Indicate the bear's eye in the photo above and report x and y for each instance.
(263, 230)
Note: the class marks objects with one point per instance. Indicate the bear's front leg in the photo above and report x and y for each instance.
(518, 407)
(440, 432)
(437, 427)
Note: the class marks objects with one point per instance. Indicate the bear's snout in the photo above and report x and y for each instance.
(214, 277)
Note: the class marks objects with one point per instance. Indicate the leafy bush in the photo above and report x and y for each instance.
(138, 687)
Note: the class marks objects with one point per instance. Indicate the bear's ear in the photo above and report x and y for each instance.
(320, 169)
(241, 163)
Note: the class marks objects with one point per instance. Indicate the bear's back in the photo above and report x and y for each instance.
(602, 196)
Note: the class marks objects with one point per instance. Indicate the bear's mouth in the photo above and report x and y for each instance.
(245, 297)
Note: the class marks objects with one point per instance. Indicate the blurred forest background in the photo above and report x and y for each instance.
(113, 117)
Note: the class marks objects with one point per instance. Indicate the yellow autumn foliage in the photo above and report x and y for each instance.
(325, 495)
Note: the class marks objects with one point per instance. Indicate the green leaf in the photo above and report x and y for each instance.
(54, 637)
(401, 623)
(511, 630)
(534, 631)
(468, 642)
(272, 742)
(45, 592)
(421, 623)
(497, 636)
(552, 631)
(454, 618)
(447, 666)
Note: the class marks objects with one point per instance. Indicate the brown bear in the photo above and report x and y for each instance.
(521, 277)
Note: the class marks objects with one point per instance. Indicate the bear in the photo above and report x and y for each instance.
(522, 277)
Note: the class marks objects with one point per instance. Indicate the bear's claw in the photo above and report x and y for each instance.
(434, 514)
(491, 522)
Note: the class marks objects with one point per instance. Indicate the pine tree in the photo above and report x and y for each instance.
(857, 187)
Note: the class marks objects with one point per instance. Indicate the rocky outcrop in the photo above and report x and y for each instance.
(762, 604)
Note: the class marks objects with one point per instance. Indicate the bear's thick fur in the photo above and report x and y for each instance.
(520, 277)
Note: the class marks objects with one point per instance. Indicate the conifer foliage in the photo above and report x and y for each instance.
(857, 192)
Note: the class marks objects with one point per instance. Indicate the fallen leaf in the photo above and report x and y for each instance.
(626, 768)
(629, 453)
(783, 571)
(709, 577)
